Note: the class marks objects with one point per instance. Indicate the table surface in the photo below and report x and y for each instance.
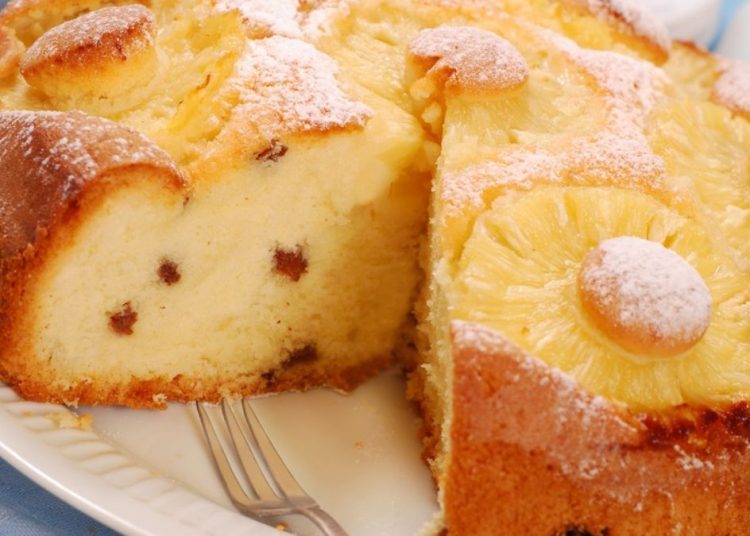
(28, 510)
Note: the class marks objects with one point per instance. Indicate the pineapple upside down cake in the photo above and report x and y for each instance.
(540, 208)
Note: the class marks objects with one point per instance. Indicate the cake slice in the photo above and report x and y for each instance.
(584, 354)
(270, 244)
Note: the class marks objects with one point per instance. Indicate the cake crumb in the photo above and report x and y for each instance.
(281, 527)
(359, 444)
(71, 421)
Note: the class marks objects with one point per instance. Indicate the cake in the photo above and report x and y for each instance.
(538, 208)
(260, 225)
(584, 328)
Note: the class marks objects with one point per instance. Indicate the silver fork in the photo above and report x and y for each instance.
(275, 491)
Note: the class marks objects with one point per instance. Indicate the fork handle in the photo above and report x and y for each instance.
(323, 521)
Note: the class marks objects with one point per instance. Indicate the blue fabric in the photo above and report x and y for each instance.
(28, 510)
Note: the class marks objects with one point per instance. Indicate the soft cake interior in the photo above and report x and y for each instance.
(291, 263)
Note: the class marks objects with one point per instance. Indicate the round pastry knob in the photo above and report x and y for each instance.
(99, 62)
(644, 296)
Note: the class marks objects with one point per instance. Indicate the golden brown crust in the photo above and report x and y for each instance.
(90, 42)
(31, 18)
(532, 450)
(49, 159)
(155, 392)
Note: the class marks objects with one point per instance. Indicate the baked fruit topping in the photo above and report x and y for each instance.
(630, 17)
(9, 53)
(552, 271)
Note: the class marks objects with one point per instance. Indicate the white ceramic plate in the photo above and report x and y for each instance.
(148, 472)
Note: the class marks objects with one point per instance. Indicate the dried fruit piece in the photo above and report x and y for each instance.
(169, 272)
(122, 322)
(273, 152)
(290, 263)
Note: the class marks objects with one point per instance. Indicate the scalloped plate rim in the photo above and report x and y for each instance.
(48, 467)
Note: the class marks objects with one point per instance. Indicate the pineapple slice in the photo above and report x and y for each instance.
(704, 146)
(694, 69)
(519, 271)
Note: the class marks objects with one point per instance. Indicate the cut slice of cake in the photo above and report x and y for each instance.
(283, 255)
(585, 325)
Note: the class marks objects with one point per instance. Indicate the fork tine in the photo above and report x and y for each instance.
(280, 476)
(232, 485)
(254, 473)
(277, 490)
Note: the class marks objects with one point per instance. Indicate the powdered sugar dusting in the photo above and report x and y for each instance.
(90, 30)
(319, 17)
(649, 288)
(574, 405)
(471, 58)
(470, 335)
(733, 88)
(287, 18)
(504, 396)
(287, 84)
(617, 154)
(74, 145)
(632, 14)
(277, 17)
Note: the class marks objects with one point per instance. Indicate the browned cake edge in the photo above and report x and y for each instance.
(530, 451)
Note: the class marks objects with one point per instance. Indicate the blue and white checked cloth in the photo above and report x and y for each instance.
(28, 510)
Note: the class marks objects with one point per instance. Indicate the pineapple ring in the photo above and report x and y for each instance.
(644, 296)
(518, 273)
